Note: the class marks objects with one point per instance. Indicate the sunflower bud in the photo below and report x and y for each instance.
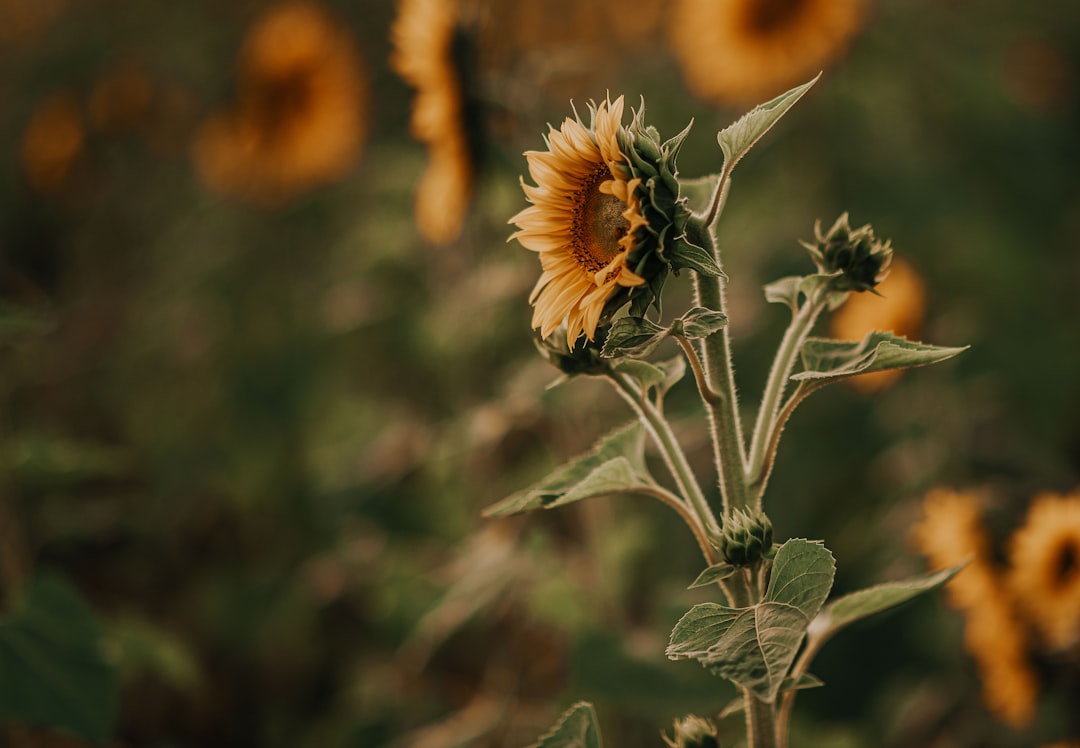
(855, 254)
(693, 732)
(745, 537)
(580, 357)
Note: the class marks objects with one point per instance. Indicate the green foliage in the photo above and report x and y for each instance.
(616, 464)
(826, 361)
(755, 646)
(576, 728)
(864, 603)
(638, 337)
(714, 574)
(53, 669)
(737, 139)
(661, 375)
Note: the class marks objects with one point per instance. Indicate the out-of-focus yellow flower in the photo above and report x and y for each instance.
(1044, 578)
(900, 309)
(583, 218)
(741, 51)
(53, 141)
(431, 55)
(949, 533)
(299, 120)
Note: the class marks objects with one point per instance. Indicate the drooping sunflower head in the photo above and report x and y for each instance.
(1044, 578)
(434, 52)
(606, 220)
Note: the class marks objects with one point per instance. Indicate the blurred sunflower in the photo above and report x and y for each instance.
(1045, 568)
(900, 308)
(53, 141)
(583, 218)
(741, 50)
(300, 118)
(433, 54)
(951, 532)
(120, 99)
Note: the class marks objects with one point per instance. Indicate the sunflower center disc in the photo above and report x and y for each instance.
(598, 223)
(769, 15)
(1067, 563)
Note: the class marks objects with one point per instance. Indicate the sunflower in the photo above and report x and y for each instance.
(951, 532)
(300, 117)
(432, 54)
(741, 50)
(584, 213)
(1044, 556)
(899, 308)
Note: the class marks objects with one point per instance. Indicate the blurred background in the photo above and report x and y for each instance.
(265, 357)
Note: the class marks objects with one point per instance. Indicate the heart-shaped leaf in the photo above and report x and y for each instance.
(576, 728)
(826, 360)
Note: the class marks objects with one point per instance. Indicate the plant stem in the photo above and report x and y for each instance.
(762, 446)
(669, 447)
(707, 394)
(728, 447)
(787, 699)
(760, 721)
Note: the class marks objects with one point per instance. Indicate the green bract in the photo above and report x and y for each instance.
(662, 246)
(856, 254)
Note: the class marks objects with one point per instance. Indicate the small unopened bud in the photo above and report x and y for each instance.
(745, 537)
(693, 732)
(856, 254)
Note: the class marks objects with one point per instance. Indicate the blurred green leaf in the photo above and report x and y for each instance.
(21, 322)
(53, 670)
(754, 647)
(576, 728)
(826, 360)
(616, 463)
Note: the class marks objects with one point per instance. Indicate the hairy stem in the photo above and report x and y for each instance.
(787, 699)
(669, 447)
(728, 447)
(760, 721)
(706, 392)
(763, 445)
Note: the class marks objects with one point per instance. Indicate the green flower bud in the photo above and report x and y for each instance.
(745, 537)
(693, 732)
(861, 260)
(583, 358)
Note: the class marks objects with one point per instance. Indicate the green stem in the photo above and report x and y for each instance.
(787, 699)
(669, 447)
(760, 721)
(761, 444)
(727, 437)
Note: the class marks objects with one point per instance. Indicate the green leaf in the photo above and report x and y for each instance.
(787, 290)
(647, 374)
(805, 682)
(698, 192)
(616, 464)
(53, 669)
(683, 254)
(738, 138)
(636, 337)
(858, 605)
(576, 728)
(713, 574)
(673, 369)
(754, 647)
(826, 360)
(700, 322)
